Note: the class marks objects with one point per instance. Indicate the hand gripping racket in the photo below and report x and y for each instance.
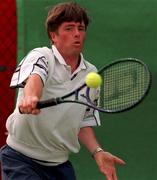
(125, 84)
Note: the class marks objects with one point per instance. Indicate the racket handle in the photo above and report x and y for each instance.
(47, 103)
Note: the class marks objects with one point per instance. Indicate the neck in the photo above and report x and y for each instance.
(72, 61)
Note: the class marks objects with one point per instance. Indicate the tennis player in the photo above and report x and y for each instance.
(39, 142)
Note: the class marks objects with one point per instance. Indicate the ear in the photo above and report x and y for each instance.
(53, 36)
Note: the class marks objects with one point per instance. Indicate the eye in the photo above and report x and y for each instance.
(68, 28)
(81, 28)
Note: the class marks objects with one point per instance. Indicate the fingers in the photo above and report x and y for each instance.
(115, 176)
(110, 174)
(106, 163)
(118, 160)
(28, 105)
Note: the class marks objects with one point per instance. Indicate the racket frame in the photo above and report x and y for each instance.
(89, 103)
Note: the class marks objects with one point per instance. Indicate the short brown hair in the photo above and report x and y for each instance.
(65, 12)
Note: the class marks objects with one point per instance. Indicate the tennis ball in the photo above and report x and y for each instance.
(93, 80)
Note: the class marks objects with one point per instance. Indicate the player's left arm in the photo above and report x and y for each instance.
(88, 138)
(105, 160)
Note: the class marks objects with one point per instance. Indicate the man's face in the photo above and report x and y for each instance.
(69, 38)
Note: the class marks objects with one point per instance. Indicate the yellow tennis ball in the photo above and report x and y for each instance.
(93, 80)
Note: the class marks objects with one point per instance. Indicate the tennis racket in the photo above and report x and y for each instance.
(126, 82)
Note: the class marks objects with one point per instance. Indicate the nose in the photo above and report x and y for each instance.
(77, 32)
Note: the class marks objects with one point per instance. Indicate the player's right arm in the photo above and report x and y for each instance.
(31, 95)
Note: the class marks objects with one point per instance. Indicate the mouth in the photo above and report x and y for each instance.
(77, 43)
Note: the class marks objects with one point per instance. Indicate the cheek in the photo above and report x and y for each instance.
(64, 37)
(59, 38)
(83, 36)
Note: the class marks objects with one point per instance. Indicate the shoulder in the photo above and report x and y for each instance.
(45, 51)
(90, 66)
(39, 53)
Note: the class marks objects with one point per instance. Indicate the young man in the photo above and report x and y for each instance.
(40, 141)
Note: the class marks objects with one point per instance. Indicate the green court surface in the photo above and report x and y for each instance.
(118, 29)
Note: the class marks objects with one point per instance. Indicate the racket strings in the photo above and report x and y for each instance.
(123, 85)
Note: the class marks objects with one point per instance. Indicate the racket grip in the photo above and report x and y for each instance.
(47, 103)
